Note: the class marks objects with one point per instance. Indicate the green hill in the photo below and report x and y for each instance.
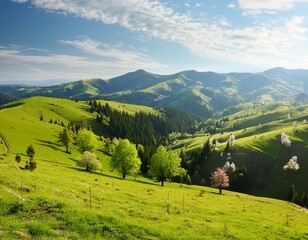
(53, 201)
(257, 130)
(202, 93)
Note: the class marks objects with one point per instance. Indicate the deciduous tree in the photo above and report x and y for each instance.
(219, 179)
(164, 164)
(89, 161)
(86, 141)
(125, 158)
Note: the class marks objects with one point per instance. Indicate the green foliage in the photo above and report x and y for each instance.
(18, 158)
(30, 151)
(109, 146)
(66, 138)
(86, 141)
(89, 161)
(164, 164)
(32, 164)
(125, 159)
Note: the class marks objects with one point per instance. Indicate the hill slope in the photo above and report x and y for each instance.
(54, 200)
(209, 92)
(257, 130)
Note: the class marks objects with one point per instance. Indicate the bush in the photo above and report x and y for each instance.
(18, 158)
(89, 161)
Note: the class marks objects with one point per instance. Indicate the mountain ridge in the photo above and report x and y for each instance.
(202, 93)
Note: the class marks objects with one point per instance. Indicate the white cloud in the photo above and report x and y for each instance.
(28, 64)
(232, 5)
(256, 7)
(258, 45)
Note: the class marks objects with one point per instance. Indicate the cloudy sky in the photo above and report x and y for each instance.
(66, 40)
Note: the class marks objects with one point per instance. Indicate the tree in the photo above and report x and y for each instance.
(18, 158)
(66, 138)
(89, 161)
(219, 179)
(164, 164)
(229, 166)
(292, 164)
(30, 151)
(86, 141)
(125, 158)
(285, 140)
(293, 195)
(31, 165)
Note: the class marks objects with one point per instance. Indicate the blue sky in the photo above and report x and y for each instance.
(67, 40)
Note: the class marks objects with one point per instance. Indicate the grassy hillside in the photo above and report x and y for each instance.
(126, 107)
(53, 201)
(257, 131)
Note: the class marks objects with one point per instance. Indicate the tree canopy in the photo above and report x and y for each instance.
(86, 141)
(164, 164)
(219, 179)
(125, 158)
(89, 161)
(66, 138)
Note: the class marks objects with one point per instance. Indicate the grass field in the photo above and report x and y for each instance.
(54, 201)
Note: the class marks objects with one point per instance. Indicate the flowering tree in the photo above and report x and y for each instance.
(231, 139)
(285, 140)
(219, 179)
(229, 166)
(89, 161)
(292, 164)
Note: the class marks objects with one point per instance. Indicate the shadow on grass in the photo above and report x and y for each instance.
(49, 144)
(53, 162)
(144, 182)
(111, 176)
(94, 173)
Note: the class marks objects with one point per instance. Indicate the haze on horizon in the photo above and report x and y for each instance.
(57, 41)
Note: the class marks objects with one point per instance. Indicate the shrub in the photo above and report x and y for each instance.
(18, 158)
(89, 161)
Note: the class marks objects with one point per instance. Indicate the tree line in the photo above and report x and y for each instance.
(145, 129)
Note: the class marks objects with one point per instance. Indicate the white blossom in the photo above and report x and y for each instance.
(285, 140)
(229, 167)
(292, 164)
(231, 139)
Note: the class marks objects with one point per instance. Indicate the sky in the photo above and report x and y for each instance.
(52, 41)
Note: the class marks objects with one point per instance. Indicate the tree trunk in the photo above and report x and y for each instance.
(220, 190)
(66, 148)
(124, 175)
(162, 182)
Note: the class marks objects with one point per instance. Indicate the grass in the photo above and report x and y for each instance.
(129, 108)
(53, 201)
(259, 148)
(57, 207)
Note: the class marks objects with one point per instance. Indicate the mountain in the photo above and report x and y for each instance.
(202, 93)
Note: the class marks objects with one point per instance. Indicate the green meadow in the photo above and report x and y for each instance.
(59, 200)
